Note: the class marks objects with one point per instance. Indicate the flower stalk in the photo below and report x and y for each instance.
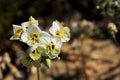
(38, 73)
(1, 75)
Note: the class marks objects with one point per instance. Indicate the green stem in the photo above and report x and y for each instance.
(38, 73)
(1, 75)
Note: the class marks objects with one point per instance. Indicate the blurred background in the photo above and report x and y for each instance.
(92, 52)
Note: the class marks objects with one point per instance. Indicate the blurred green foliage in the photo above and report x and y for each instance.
(109, 9)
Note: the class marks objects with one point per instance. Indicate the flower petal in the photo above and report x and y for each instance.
(54, 27)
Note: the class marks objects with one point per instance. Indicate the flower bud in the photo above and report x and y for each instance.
(48, 63)
(112, 28)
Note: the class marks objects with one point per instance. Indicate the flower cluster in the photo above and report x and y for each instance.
(43, 46)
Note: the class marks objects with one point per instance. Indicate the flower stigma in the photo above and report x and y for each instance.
(50, 47)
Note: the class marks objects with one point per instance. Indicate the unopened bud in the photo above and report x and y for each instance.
(48, 63)
(112, 27)
(58, 58)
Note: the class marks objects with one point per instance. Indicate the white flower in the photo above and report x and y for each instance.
(51, 47)
(33, 36)
(35, 53)
(18, 31)
(29, 62)
(60, 32)
(42, 46)
(29, 23)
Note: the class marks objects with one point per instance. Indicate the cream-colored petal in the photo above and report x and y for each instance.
(44, 34)
(14, 38)
(31, 22)
(66, 29)
(33, 29)
(57, 41)
(16, 27)
(53, 30)
(17, 32)
(24, 37)
(55, 26)
(25, 24)
(65, 39)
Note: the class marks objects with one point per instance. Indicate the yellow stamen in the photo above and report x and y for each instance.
(34, 37)
(60, 33)
(18, 32)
